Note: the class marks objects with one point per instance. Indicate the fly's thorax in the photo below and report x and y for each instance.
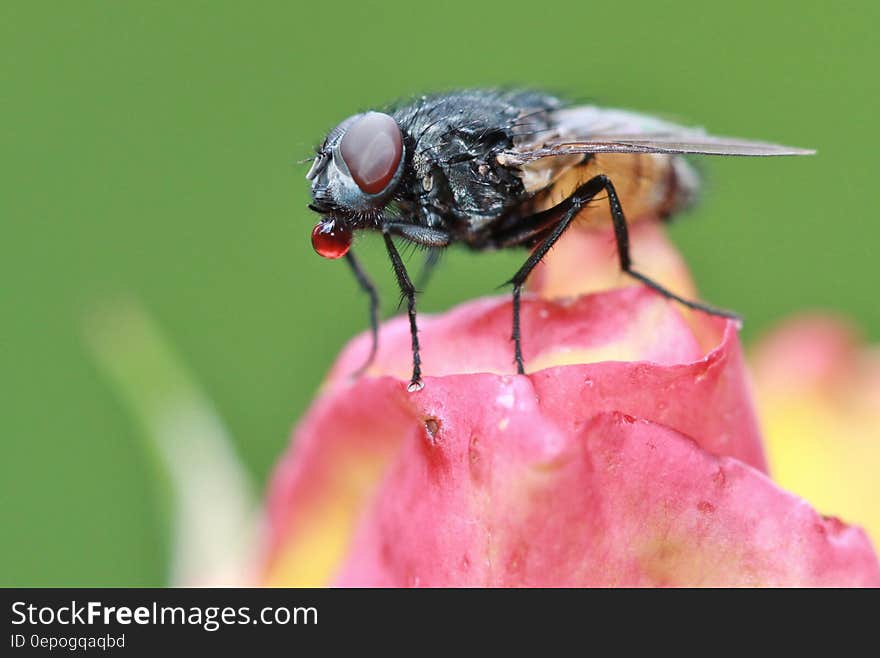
(455, 140)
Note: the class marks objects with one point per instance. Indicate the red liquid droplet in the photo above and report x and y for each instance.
(331, 239)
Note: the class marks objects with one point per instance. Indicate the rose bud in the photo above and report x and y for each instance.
(628, 456)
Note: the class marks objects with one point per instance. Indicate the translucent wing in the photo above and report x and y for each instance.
(591, 129)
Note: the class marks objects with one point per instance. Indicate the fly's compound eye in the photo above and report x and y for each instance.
(331, 239)
(372, 149)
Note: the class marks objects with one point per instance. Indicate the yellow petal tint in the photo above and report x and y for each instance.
(323, 529)
(319, 488)
(586, 261)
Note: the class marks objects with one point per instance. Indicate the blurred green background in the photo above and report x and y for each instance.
(149, 150)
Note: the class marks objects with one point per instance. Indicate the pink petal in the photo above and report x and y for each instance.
(625, 325)
(623, 502)
(633, 351)
(342, 449)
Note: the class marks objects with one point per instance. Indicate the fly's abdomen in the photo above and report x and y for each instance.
(648, 185)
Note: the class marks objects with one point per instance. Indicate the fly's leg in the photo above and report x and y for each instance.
(368, 287)
(409, 292)
(575, 202)
(427, 237)
(570, 208)
(621, 236)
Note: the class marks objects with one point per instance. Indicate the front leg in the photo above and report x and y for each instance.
(407, 290)
(427, 237)
(421, 235)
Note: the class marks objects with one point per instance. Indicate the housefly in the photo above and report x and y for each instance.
(493, 169)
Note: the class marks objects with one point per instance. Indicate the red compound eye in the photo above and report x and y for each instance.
(372, 149)
(331, 239)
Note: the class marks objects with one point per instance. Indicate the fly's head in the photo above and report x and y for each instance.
(354, 175)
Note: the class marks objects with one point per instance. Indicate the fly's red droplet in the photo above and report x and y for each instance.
(331, 239)
(372, 149)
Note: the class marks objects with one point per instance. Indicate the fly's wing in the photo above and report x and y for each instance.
(590, 129)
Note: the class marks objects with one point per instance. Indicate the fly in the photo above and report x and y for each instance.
(495, 169)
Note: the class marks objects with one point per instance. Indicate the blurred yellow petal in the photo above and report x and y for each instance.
(818, 396)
